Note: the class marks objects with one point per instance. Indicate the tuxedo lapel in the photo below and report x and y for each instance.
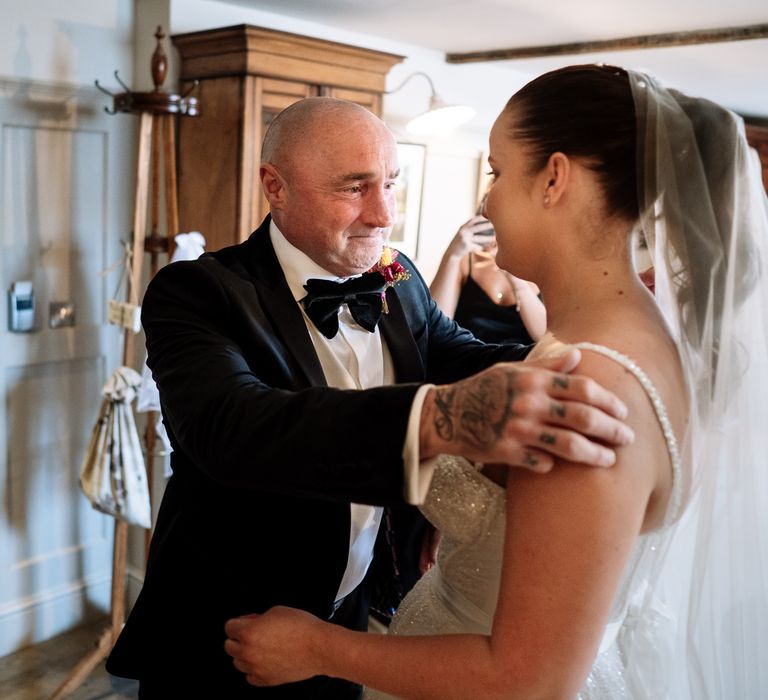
(405, 354)
(278, 303)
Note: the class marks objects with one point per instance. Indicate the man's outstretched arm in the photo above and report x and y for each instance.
(525, 415)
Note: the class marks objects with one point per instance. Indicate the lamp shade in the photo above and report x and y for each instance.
(440, 119)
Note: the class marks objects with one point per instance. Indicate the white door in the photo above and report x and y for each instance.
(66, 189)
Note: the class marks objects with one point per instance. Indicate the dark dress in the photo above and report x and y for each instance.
(488, 321)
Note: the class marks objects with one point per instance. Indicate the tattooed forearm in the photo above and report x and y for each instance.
(486, 408)
(443, 419)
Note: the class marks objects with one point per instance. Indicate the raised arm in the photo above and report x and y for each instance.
(567, 542)
(452, 272)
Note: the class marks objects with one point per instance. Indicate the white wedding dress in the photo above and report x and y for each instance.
(458, 595)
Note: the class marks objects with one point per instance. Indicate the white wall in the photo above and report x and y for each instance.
(66, 186)
(69, 42)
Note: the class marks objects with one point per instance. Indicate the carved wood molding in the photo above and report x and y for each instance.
(249, 50)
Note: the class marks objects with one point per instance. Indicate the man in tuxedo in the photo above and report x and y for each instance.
(292, 412)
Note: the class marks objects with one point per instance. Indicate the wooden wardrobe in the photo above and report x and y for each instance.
(247, 75)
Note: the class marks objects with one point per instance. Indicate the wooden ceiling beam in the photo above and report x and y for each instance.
(646, 41)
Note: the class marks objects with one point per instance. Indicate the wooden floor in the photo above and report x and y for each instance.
(35, 672)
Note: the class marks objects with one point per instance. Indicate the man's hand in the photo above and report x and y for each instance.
(525, 415)
(275, 647)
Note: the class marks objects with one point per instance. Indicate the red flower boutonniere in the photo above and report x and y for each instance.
(392, 272)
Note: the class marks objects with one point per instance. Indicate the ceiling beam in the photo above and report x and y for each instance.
(646, 41)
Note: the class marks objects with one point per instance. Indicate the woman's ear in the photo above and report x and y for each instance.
(273, 186)
(557, 173)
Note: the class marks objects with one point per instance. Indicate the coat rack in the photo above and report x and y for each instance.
(157, 111)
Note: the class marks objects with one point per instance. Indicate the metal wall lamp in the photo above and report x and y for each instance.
(440, 118)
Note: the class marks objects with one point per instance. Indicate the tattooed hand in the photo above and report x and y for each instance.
(525, 415)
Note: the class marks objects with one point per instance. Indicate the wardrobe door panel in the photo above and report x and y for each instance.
(209, 155)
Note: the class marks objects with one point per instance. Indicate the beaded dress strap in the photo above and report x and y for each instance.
(661, 414)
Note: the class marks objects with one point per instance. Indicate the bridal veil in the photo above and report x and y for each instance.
(704, 215)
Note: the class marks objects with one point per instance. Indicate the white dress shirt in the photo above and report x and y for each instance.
(355, 359)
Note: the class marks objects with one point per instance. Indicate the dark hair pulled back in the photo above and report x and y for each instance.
(586, 112)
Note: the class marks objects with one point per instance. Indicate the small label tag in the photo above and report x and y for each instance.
(125, 315)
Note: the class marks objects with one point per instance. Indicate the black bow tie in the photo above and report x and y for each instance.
(362, 295)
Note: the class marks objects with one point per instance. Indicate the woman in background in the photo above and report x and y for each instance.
(493, 304)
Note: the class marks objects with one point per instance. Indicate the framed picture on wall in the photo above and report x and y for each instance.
(405, 232)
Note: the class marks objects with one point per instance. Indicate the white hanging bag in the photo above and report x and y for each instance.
(113, 474)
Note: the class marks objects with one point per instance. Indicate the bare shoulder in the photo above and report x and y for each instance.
(648, 458)
(648, 349)
(628, 366)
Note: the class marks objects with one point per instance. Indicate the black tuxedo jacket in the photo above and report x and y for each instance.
(266, 457)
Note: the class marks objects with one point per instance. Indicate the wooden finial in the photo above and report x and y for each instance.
(159, 60)
(156, 101)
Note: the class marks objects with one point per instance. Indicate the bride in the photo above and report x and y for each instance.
(558, 586)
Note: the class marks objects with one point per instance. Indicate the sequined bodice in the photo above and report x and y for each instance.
(469, 511)
(458, 595)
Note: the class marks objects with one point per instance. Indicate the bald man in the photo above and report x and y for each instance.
(290, 428)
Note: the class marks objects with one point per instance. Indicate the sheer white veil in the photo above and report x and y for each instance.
(704, 214)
